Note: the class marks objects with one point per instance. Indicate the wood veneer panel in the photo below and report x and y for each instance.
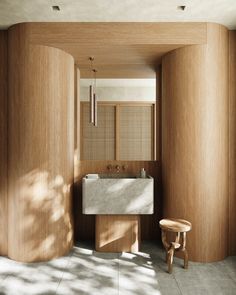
(232, 142)
(85, 224)
(76, 123)
(41, 149)
(195, 142)
(158, 113)
(123, 32)
(3, 144)
(117, 233)
(127, 71)
(121, 50)
(76, 109)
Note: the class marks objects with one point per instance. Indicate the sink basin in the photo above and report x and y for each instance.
(116, 175)
(117, 194)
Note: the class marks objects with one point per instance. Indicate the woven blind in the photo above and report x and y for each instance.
(136, 133)
(98, 143)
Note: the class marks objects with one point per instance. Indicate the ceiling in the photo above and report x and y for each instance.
(120, 83)
(127, 38)
(17, 11)
(120, 50)
(121, 61)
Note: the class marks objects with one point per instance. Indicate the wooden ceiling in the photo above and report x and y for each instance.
(121, 50)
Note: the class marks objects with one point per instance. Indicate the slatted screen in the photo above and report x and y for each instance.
(98, 143)
(124, 132)
(136, 133)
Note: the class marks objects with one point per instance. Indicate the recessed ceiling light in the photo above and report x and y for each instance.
(181, 7)
(56, 8)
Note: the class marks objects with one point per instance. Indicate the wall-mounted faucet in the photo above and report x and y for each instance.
(118, 168)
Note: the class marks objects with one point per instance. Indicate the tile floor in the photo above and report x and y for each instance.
(87, 272)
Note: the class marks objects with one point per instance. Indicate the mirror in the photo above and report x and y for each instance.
(126, 120)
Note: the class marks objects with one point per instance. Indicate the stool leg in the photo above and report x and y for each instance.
(185, 250)
(165, 243)
(185, 258)
(177, 238)
(170, 259)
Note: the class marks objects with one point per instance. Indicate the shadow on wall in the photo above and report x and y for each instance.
(108, 237)
(45, 207)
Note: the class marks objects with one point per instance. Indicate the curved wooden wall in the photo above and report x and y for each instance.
(3, 143)
(195, 142)
(41, 148)
(232, 142)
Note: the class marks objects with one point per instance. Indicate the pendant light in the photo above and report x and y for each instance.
(92, 94)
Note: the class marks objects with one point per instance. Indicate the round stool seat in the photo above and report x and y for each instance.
(175, 225)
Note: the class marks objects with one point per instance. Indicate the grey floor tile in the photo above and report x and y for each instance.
(137, 275)
(2, 279)
(90, 272)
(32, 278)
(204, 278)
(33, 283)
(209, 287)
(169, 286)
(87, 272)
(228, 266)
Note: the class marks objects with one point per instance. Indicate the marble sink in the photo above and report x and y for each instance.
(117, 194)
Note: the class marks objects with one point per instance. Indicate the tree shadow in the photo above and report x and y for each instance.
(43, 209)
(83, 271)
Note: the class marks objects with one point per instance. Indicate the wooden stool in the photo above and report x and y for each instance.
(180, 227)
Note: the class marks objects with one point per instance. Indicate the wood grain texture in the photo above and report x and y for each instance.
(119, 33)
(232, 142)
(175, 225)
(178, 228)
(3, 145)
(127, 71)
(195, 142)
(121, 50)
(41, 149)
(85, 224)
(158, 113)
(77, 111)
(117, 233)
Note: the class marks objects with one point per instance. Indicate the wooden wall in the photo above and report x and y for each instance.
(41, 149)
(196, 175)
(3, 143)
(121, 50)
(232, 143)
(195, 142)
(85, 224)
